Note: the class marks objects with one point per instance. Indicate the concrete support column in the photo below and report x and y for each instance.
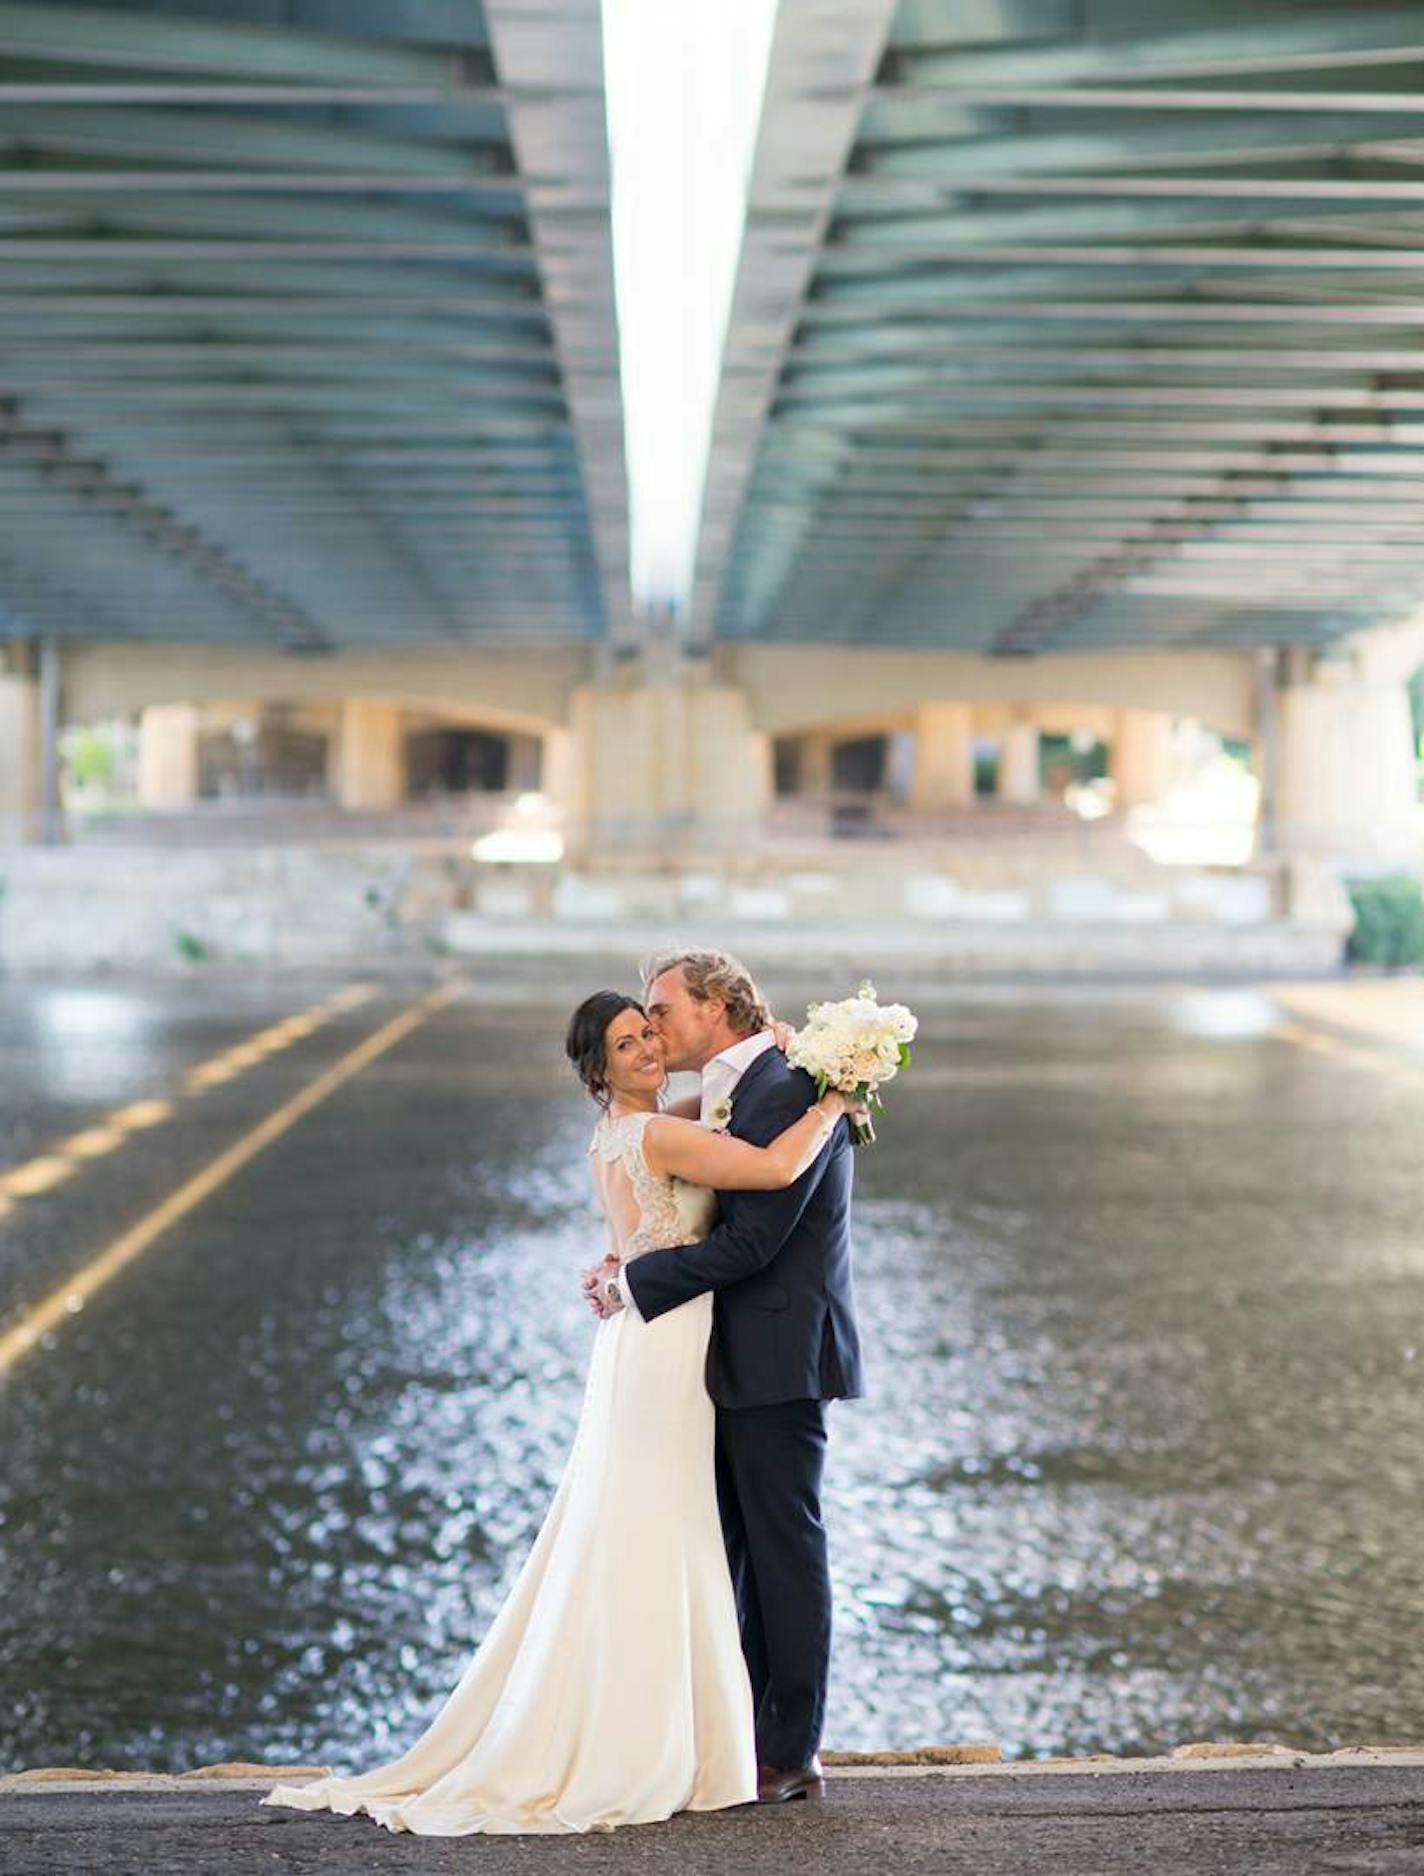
(21, 791)
(526, 763)
(817, 775)
(1140, 758)
(943, 775)
(1018, 764)
(365, 760)
(1346, 783)
(168, 756)
(560, 769)
(663, 770)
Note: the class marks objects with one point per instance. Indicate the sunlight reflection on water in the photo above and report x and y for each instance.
(1138, 1462)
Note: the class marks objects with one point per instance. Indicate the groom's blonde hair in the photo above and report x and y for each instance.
(709, 974)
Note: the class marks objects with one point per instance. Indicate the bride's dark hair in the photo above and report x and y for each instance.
(585, 1043)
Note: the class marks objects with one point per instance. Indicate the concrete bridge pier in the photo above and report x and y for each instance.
(1346, 786)
(29, 745)
(168, 756)
(20, 791)
(1019, 778)
(943, 775)
(366, 761)
(663, 769)
(1140, 757)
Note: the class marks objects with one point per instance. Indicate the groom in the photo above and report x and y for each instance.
(784, 1342)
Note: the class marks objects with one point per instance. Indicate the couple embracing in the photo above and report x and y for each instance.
(666, 1644)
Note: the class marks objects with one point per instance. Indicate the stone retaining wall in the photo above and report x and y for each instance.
(150, 908)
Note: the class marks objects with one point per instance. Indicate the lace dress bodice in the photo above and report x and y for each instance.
(659, 1211)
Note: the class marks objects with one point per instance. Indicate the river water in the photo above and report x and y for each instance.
(1142, 1293)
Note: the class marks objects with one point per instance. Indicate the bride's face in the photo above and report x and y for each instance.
(634, 1061)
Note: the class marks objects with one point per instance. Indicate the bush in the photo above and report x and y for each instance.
(1389, 922)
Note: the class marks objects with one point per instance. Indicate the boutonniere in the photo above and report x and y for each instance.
(719, 1115)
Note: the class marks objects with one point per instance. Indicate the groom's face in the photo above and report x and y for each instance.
(687, 1029)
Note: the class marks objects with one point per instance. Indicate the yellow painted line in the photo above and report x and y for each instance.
(1379, 1009)
(140, 1114)
(1391, 1067)
(36, 1175)
(1289, 1032)
(1304, 1038)
(209, 1075)
(50, 1169)
(92, 1143)
(71, 1295)
(353, 996)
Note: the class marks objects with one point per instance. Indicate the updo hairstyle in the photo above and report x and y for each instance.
(586, 1043)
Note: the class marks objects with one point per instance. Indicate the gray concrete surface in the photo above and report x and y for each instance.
(1294, 1817)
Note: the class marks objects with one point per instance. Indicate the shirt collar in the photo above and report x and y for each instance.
(725, 1070)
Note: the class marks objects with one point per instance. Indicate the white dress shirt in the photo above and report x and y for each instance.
(719, 1078)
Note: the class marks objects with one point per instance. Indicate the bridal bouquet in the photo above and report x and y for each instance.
(855, 1046)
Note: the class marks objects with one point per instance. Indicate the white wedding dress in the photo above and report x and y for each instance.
(610, 1688)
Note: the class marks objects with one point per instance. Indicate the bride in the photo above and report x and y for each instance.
(611, 1687)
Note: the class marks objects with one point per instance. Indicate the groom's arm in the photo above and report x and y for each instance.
(756, 1226)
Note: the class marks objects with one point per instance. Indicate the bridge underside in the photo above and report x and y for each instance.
(1097, 327)
(1073, 382)
(307, 335)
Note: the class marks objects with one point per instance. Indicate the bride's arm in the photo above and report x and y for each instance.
(680, 1149)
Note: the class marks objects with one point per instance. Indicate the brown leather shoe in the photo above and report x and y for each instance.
(775, 1785)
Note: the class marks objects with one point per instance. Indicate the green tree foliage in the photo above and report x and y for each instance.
(1389, 922)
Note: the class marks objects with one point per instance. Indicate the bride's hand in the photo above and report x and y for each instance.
(591, 1281)
(782, 1034)
(835, 1103)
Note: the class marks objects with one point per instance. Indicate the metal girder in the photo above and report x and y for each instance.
(417, 358)
(1345, 39)
(125, 249)
(114, 140)
(311, 182)
(1113, 310)
(165, 41)
(822, 66)
(554, 131)
(1257, 100)
(372, 225)
(891, 232)
(866, 195)
(1173, 145)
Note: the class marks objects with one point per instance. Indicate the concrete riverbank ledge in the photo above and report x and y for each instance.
(1209, 1806)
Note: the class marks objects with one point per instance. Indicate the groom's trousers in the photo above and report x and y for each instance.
(769, 1466)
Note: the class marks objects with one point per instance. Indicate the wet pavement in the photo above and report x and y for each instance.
(1142, 1285)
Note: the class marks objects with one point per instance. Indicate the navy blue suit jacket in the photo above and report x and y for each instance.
(783, 1323)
